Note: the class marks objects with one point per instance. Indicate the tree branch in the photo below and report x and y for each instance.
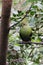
(29, 42)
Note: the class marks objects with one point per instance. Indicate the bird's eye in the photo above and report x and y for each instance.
(23, 24)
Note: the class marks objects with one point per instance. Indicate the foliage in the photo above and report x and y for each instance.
(26, 54)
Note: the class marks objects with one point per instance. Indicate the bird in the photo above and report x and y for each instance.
(25, 31)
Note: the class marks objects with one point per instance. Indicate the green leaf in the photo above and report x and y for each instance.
(36, 39)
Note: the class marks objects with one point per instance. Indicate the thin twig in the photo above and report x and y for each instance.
(31, 52)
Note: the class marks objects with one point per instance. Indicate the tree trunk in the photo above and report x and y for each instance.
(6, 9)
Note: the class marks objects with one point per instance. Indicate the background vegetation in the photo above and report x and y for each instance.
(30, 11)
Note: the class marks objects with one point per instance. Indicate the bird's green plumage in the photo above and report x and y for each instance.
(25, 32)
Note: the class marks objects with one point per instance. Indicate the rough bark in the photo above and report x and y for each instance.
(6, 9)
